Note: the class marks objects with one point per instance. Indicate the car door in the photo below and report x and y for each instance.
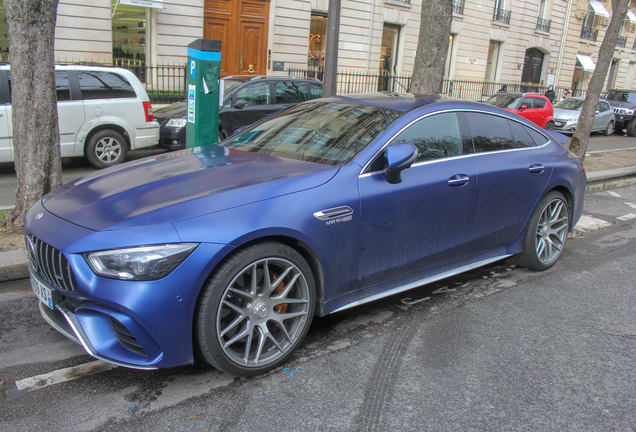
(423, 220)
(6, 126)
(512, 172)
(529, 113)
(70, 112)
(289, 93)
(603, 116)
(258, 99)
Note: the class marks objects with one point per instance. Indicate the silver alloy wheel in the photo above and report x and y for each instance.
(552, 231)
(108, 149)
(263, 312)
(609, 129)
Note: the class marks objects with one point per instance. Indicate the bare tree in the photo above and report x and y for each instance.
(578, 143)
(432, 46)
(36, 136)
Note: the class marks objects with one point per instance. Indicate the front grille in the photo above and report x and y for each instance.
(50, 264)
(126, 338)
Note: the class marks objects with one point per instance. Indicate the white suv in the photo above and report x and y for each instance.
(103, 112)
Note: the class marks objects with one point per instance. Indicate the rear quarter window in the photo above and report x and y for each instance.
(104, 85)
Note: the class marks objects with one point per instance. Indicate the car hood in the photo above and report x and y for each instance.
(180, 185)
(178, 109)
(564, 114)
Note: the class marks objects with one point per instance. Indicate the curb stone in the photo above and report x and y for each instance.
(14, 264)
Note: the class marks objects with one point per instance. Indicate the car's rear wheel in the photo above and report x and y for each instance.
(546, 235)
(609, 129)
(106, 148)
(222, 135)
(255, 309)
(631, 128)
(549, 126)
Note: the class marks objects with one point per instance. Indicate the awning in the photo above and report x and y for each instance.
(599, 9)
(157, 4)
(587, 62)
(631, 16)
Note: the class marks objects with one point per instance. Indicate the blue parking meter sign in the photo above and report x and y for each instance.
(193, 68)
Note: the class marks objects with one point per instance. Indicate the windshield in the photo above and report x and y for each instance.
(570, 104)
(621, 96)
(504, 100)
(330, 134)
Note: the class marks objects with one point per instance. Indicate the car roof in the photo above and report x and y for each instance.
(246, 78)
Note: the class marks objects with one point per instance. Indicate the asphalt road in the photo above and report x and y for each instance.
(498, 349)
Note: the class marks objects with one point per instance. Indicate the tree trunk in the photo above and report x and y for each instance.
(432, 46)
(579, 141)
(36, 136)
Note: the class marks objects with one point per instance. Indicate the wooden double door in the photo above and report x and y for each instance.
(242, 27)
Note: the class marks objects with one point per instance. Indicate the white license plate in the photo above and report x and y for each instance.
(44, 294)
(558, 124)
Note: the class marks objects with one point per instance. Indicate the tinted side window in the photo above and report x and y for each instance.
(537, 137)
(104, 85)
(527, 101)
(62, 87)
(521, 135)
(287, 92)
(603, 106)
(315, 91)
(255, 94)
(538, 102)
(435, 137)
(490, 133)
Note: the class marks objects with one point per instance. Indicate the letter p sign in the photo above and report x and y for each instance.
(193, 68)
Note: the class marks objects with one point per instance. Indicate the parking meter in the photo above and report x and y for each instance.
(204, 65)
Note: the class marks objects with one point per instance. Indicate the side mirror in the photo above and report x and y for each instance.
(240, 104)
(597, 112)
(524, 107)
(399, 157)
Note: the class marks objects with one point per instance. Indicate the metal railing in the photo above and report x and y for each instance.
(588, 33)
(544, 25)
(458, 7)
(163, 83)
(621, 41)
(474, 90)
(502, 16)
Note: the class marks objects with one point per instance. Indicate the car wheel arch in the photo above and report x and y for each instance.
(102, 127)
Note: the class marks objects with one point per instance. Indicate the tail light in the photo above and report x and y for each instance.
(148, 111)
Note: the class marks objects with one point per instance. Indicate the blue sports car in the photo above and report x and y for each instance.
(230, 249)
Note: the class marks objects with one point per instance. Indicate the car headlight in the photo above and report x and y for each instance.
(176, 123)
(139, 263)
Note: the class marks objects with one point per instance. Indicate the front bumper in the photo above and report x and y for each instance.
(137, 324)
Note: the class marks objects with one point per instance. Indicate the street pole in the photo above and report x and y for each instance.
(331, 50)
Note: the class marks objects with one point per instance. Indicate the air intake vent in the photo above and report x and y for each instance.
(126, 338)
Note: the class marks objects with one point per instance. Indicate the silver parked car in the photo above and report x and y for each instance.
(567, 112)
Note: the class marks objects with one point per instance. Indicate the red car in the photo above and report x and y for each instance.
(533, 106)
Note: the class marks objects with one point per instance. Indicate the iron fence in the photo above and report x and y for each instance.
(458, 7)
(588, 33)
(502, 16)
(474, 90)
(544, 25)
(163, 83)
(621, 42)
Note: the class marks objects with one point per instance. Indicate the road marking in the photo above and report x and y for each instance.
(614, 194)
(630, 205)
(627, 217)
(63, 375)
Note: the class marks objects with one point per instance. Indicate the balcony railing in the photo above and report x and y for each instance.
(634, 45)
(544, 25)
(458, 7)
(588, 33)
(502, 16)
(621, 41)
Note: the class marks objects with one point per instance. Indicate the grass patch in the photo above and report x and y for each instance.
(3, 213)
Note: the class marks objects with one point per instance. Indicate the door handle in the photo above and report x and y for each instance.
(458, 180)
(536, 168)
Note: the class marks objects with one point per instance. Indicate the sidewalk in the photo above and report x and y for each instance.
(14, 262)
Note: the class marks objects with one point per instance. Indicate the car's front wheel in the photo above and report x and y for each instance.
(546, 235)
(106, 148)
(609, 129)
(631, 128)
(255, 309)
(549, 126)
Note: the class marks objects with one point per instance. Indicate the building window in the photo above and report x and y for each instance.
(458, 7)
(543, 24)
(449, 56)
(493, 61)
(500, 14)
(317, 40)
(389, 48)
(131, 31)
(621, 41)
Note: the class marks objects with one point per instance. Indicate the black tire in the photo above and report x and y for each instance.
(546, 235)
(106, 148)
(631, 128)
(234, 309)
(609, 130)
(549, 125)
